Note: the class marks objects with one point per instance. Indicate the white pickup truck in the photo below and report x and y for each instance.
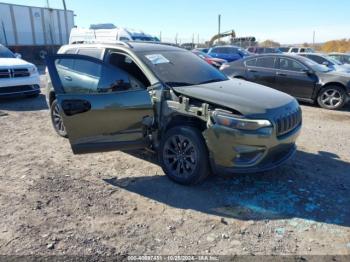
(17, 77)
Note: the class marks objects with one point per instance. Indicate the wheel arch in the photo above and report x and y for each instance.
(182, 120)
(52, 97)
(332, 84)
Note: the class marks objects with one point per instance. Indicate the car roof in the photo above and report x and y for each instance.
(295, 56)
(338, 53)
(131, 45)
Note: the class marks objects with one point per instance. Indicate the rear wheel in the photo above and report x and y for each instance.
(184, 156)
(331, 97)
(57, 120)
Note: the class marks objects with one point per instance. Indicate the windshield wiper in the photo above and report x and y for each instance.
(211, 81)
(175, 84)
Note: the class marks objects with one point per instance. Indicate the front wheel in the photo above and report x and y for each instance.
(331, 97)
(57, 120)
(183, 155)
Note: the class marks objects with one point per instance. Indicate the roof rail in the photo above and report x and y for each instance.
(93, 41)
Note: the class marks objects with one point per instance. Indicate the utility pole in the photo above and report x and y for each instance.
(219, 27)
(192, 39)
(198, 39)
(160, 36)
(176, 38)
(313, 40)
(64, 5)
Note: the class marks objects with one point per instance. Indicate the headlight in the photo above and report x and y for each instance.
(32, 70)
(231, 121)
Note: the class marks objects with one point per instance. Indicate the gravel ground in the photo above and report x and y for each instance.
(54, 202)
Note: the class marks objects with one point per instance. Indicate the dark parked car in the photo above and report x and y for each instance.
(141, 95)
(342, 58)
(263, 50)
(229, 53)
(295, 75)
(216, 62)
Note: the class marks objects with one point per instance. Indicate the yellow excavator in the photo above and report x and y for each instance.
(224, 34)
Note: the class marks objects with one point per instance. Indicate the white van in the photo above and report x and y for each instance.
(105, 33)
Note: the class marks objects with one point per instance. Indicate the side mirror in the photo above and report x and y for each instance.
(18, 55)
(308, 72)
(325, 63)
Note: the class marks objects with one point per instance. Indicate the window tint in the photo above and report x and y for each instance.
(302, 50)
(294, 50)
(93, 52)
(84, 76)
(251, 62)
(291, 65)
(267, 62)
(317, 59)
(232, 50)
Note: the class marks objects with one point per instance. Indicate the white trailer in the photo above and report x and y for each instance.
(105, 33)
(33, 30)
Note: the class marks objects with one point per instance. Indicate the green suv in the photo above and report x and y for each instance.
(136, 95)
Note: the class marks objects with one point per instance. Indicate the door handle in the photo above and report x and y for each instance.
(252, 71)
(68, 78)
(281, 74)
(75, 106)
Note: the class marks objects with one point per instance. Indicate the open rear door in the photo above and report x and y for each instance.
(100, 110)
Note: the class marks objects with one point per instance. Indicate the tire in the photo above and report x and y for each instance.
(184, 156)
(56, 119)
(331, 97)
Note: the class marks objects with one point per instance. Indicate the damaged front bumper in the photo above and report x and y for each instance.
(239, 151)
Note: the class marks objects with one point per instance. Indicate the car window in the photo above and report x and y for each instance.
(251, 62)
(180, 68)
(294, 50)
(84, 76)
(291, 65)
(232, 50)
(266, 62)
(302, 50)
(317, 59)
(346, 59)
(5, 52)
(93, 52)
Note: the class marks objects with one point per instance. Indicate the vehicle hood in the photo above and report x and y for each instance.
(245, 97)
(13, 62)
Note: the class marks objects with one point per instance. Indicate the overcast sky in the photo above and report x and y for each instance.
(288, 21)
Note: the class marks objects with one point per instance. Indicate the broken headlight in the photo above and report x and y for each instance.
(235, 122)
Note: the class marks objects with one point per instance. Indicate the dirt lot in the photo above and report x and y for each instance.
(53, 202)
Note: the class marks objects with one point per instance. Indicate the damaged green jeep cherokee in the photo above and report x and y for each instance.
(126, 96)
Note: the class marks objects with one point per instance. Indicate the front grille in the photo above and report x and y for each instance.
(20, 72)
(15, 89)
(289, 122)
(5, 73)
(16, 72)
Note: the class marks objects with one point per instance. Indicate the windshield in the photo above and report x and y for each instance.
(315, 66)
(181, 68)
(334, 61)
(6, 53)
(144, 38)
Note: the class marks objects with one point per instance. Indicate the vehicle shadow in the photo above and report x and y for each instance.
(314, 187)
(23, 103)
